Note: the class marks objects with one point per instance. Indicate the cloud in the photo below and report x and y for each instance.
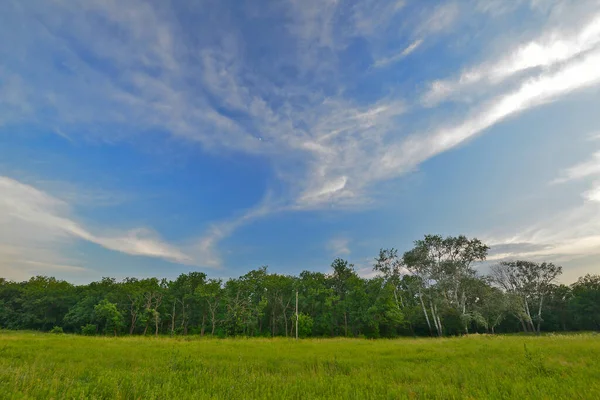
(390, 60)
(37, 220)
(339, 247)
(370, 17)
(582, 170)
(441, 18)
(206, 248)
(329, 190)
(571, 235)
(322, 141)
(281, 91)
(551, 49)
(593, 194)
(576, 75)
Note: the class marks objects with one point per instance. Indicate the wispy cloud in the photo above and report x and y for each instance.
(570, 235)
(390, 60)
(145, 67)
(38, 219)
(551, 49)
(440, 19)
(369, 17)
(594, 193)
(582, 170)
(339, 246)
(207, 249)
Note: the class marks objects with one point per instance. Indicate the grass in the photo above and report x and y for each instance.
(46, 366)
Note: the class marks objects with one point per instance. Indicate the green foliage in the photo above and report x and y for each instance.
(89, 329)
(585, 302)
(432, 289)
(305, 325)
(107, 314)
(57, 330)
(41, 366)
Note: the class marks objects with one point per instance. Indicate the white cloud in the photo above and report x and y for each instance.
(329, 190)
(593, 194)
(390, 60)
(550, 49)
(441, 18)
(207, 249)
(576, 75)
(582, 170)
(339, 247)
(567, 237)
(34, 219)
(369, 17)
(330, 147)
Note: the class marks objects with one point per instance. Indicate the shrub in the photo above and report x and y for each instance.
(57, 329)
(89, 329)
(305, 325)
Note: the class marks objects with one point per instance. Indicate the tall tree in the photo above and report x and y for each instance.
(585, 302)
(107, 314)
(530, 282)
(211, 293)
(445, 266)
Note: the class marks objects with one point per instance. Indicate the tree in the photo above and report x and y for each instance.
(444, 266)
(182, 296)
(134, 290)
(585, 302)
(491, 306)
(305, 325)
(211, 293)
(44, 302)
(341, 278)
(106, 313)
(431, 289)
(391, 266)
(530, 283)
(317, 299)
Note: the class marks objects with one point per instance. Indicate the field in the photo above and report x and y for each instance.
(47, 366)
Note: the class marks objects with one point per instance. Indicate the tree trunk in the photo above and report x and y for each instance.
(396, 298)
(530, 324)
(539, 322)
(425, 313)
(173, 319)
(273, 322)
(464, 312)
(434, 319)
(214, 323)
(133, 320)
(345, 324)
(156, 325)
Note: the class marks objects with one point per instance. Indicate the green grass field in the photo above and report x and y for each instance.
(47, 366)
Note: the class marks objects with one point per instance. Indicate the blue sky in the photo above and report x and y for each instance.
(153, 138)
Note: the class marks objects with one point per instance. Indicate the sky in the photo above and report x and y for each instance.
(154, 138)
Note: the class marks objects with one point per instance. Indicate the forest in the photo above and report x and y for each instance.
(433, 289)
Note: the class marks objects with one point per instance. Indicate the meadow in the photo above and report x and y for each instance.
(50, 366)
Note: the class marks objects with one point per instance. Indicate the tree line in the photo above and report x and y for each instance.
(431, 290)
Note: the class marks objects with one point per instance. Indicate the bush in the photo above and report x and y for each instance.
(89, 329)
(305, 325)
(57, 329)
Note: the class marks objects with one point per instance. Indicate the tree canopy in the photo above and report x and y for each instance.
(432, 289)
